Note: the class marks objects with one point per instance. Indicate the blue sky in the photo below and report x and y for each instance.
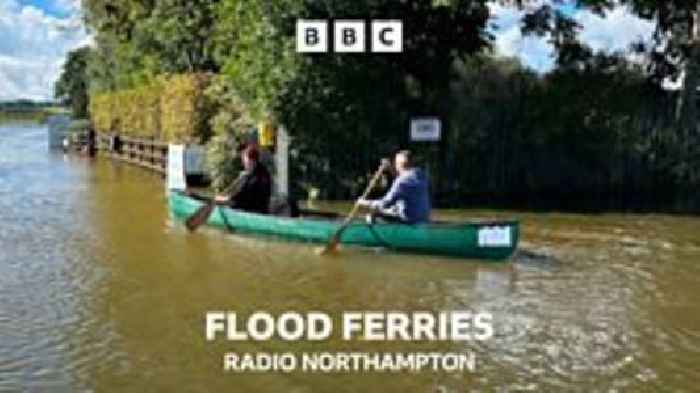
(60, 9)
(35, 36)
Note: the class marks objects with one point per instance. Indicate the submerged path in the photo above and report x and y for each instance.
(101, 291)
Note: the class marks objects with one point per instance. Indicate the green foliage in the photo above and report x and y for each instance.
(338, 106)
(139, 110)
(255, 46)
(594, 128)
(72, 86)
(223, 163)
(137, 40)
(186, 109)
(102, 112)
(546, 141)
(179, 32)
(231, 127)
(173, 108)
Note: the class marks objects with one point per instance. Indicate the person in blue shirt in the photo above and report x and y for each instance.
(408, 200)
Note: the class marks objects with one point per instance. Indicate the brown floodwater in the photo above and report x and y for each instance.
(100, 291)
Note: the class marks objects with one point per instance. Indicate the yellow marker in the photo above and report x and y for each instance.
(266, 134)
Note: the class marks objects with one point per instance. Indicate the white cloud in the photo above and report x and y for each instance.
(68, 5)
(33, 47)
(533, 52)
(614, 32)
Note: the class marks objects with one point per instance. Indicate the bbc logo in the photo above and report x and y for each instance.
(349, 36)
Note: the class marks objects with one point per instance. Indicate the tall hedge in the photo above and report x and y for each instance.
(185, 108)
(103, 117)
(171, 108)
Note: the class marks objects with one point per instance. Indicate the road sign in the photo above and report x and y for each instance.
(426, 129)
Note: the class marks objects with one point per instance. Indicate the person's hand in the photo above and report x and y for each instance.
(364, 202)
(385, 164)
(387, 167)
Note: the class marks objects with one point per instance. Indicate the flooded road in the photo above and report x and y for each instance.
(100, 291)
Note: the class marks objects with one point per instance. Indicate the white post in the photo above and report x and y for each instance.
(282, 161)
(176, 180)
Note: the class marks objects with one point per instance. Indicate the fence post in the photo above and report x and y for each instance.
(282, 161)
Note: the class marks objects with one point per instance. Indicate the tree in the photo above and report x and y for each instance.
(332, 101)
(180, 32)
(137, 40)
(672, 55)
(72, 86)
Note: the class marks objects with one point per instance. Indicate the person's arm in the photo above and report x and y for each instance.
(395, 193)
(234, 189)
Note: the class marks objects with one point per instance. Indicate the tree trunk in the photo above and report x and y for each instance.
(687, 108)
(686, 114)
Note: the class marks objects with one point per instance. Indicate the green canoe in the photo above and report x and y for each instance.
(479, 239)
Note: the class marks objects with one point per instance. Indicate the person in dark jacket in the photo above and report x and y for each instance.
(253, 188)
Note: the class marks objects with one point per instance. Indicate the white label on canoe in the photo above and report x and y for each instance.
(494, 237)
(176, 168)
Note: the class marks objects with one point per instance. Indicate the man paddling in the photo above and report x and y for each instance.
(408, 200)
(253, 186)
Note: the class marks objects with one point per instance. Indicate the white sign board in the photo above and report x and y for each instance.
(495, 237)
(176, 168)
(426, 129)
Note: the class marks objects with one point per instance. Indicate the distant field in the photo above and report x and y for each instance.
(30, 114)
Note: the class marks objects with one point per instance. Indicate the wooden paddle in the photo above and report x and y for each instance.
(332, 245)
(202, 215)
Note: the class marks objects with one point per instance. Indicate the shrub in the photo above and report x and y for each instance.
(186, 109)
(170, 108)
(231, 126)
(101, 112)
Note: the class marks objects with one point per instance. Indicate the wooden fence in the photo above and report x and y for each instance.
(148, 153)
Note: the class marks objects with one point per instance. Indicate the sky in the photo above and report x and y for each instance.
(36, 35)
(614, 32)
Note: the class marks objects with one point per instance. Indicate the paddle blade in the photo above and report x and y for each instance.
(200, 216)
(330, 248)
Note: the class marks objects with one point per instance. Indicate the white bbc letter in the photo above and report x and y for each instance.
(349, 36)
(312, 36)
(387, 36)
